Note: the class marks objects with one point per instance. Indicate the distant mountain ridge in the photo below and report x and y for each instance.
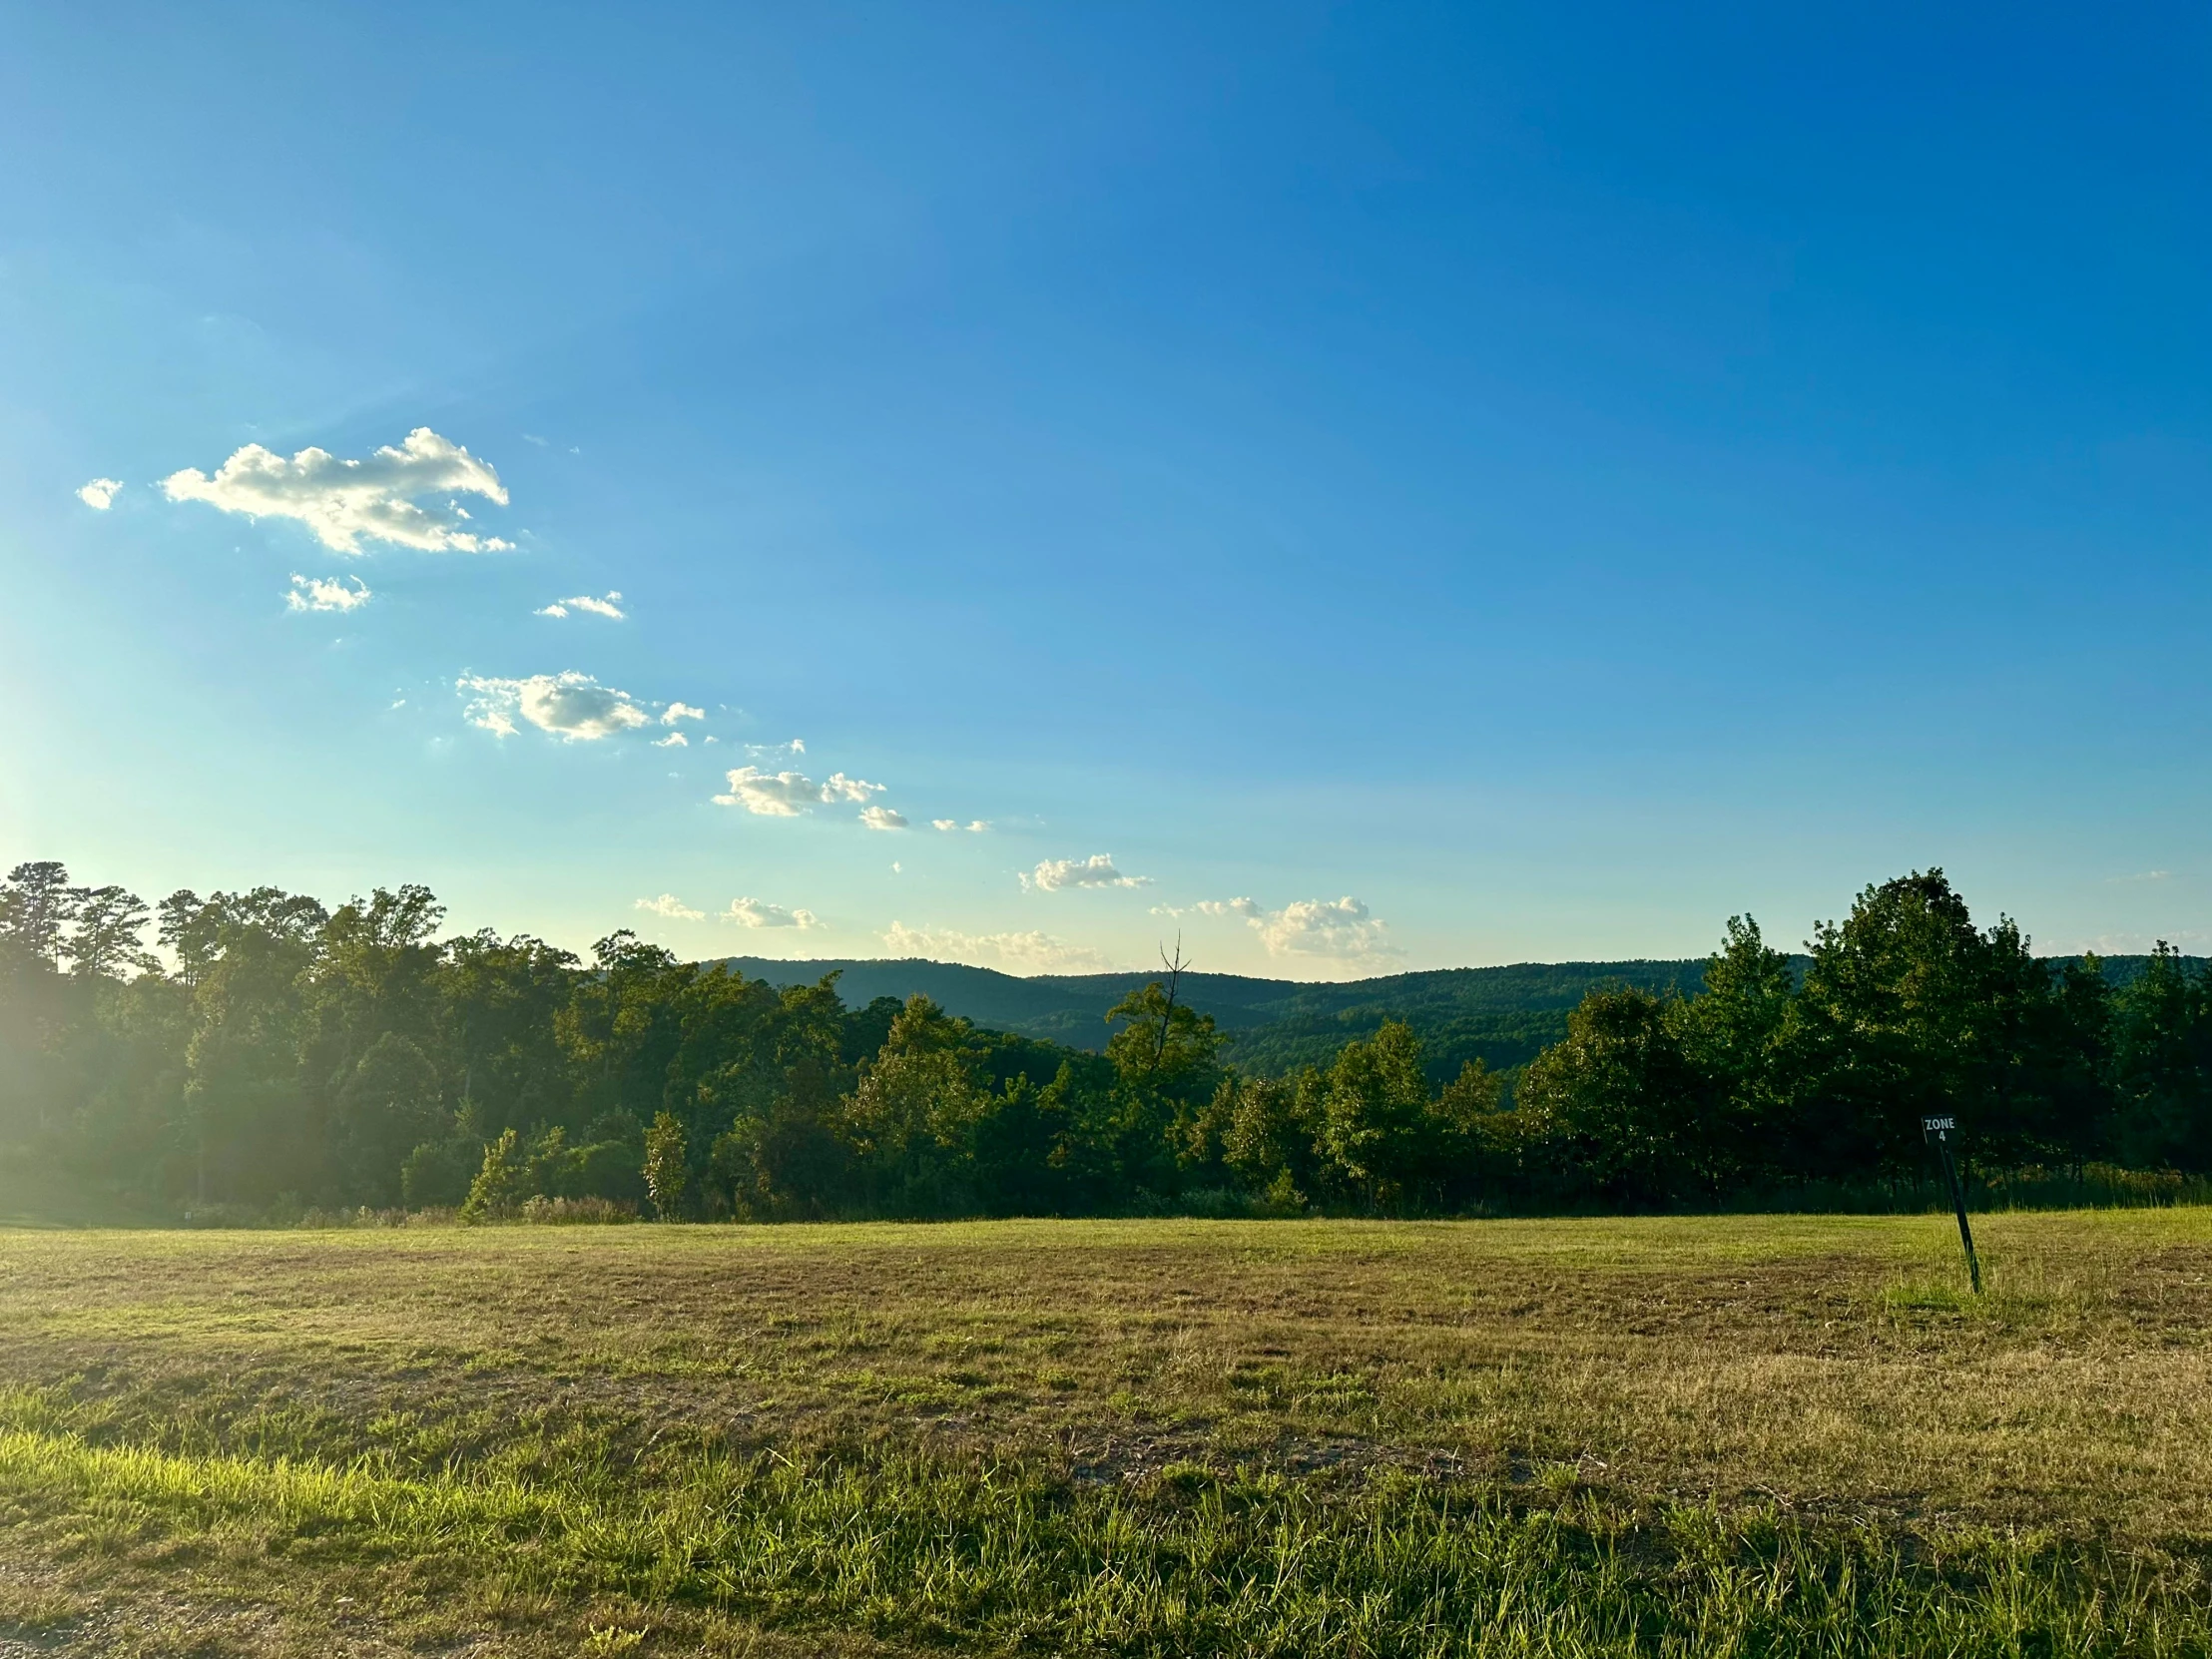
(1504, 1015)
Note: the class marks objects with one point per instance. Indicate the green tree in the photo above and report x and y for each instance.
(623, 1027)
(1478, 1143)
(2084, 1103)
(189, 927)
(37, 903)
(912, 1121)
(1743, 1016)
(503, 1181)
(1166, 1061)
(500, 1010)
(1907, 1011)
(36, 1007)
(1623, 1110)
(1164, 1044)
(108, 939)
(252, 1132)
(442, 1172)
(1377, 1126)
(666, 1173)
(385, 1108)
(2162, 1065)
(1270, 1130)
(1020, 1145)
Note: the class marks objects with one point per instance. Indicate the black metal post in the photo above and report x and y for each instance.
(1938, 1130)
(1959, 1204)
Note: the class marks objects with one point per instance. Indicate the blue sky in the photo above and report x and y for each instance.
(1363, 487)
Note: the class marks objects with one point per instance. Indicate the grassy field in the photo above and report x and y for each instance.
(1698, 1436)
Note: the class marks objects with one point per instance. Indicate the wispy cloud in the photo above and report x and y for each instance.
(1024, 952)
(668, 904)
(675, 739)
(681, 711)
(380, 497)
(883, 818)
(1098, 870)
(974, 826)
(100, 493)
(1246, 908)
(2145, 876)
(758, 912)
(1339, 929)
(320, 593)
(573, 706)
(608, 607)
(2189, 941)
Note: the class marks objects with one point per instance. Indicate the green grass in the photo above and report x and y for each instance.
(1755, 1436)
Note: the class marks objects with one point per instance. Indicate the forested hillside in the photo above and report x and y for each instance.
(1499, 1016)
(1502, 1016)
(283, 1054)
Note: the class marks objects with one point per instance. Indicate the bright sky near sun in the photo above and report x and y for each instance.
(1363, 487)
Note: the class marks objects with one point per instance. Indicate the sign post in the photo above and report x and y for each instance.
(1940, 1131)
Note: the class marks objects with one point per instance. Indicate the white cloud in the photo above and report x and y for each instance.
(681, 711)
(573, 706)
(1029, 952)
(1246, 908)
(2189, 941)
(675, 739)
(975, 827)
(1342, 928)
(668, 904)
(786, 793)
(608, 607)
(100, 493)
(342, 502)
(317, 592)
(769, 794)
(758, 912)
(1095, 872)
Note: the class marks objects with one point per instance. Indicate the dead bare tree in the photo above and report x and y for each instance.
(1175, 966)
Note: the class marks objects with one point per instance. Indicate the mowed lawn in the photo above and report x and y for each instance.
(1694, 1434)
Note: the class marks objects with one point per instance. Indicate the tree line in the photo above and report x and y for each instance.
(282, 1053)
